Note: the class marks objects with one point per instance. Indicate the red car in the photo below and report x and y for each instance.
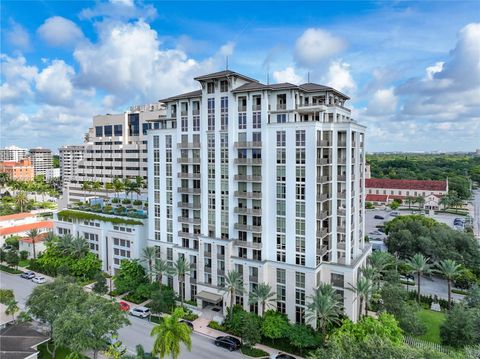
(124, 307)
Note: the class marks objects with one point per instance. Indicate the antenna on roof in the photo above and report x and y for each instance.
(308, 77)
(226, 62)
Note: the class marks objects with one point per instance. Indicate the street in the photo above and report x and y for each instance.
(138, 332)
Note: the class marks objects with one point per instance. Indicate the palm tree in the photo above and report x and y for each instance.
(161, 267)
(33, 235)
(129, 187)
(118, 186)
(86, 187)
(262, 294)
(79, 247)
(65, 243)
(324, 307)
(372, 274)
(421, 201)
(233, 285)
(50, 238)
(140, 184)
(445, 202)
(108, 186)
(419, 265)
(169, 334)
(410, 201)
(182, 267)
(363, 290)
(96, 185)
(379, 261)
(450, 270)
(12, 308)
(21, 200)
(148, 256)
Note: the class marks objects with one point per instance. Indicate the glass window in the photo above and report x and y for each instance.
(99, 131)
(118, 130)
(107, 130)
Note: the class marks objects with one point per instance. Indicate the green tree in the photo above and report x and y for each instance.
(450, 270)
(100, 285)
(263, 295)
(363, 289)
(23, 255)
(275, 325)
(130, 275)
(162, 267)
(182, 267)
(410, 201)
(419, 265)
(65, 243)
(139, 354)
(12, 258)
(324, 307)
(461, 327)
(6, 296)
(162, 301)
(233, 285)
(79, 247)
(21, 200)
(96, 186)
(86, 188)
(33, 235)
(394, 205)
(12, 308)
(251, 330)
(148, 257)
(302, 337)
(420, 201)
(169, 334)
(118, 186)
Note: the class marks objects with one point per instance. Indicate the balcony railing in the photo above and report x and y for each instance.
(322, 197)
(324, 178)
(248, 144)
(281, 106)
(323, 161)
(322, 232)
(342, 161)
(248, 161)
(341, 194)
(253, 279)
(341, 211)
(189, 190)
(341, 178)
(186, 160)
(342, 143)
(323, 214)
(186, 234)
(248, 227)
(188, 145)
(324, 143)
(322, 250)
(241, 194)
(256, 107)
(247, 178)
(188, 175)
(243, 210)
(341, 229)
(195, 112)
(242, 108)
(188, 205)
(189, 220)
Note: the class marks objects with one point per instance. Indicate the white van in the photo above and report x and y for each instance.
(141, 312)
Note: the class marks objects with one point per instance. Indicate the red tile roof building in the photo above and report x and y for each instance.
(19, 171)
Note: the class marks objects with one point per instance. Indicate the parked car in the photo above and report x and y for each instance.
(375, 233)
(228, 342)
(141, 312)
(404, 278)
(187, 322)
(117, 344)
(28, 275)
(39, 280)
(284, 356)
(124, 307)
(377, 216)
(381, 229)
(410, 276)
(394, 214)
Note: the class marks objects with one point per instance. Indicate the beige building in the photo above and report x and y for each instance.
(70, 156)
(42, 160)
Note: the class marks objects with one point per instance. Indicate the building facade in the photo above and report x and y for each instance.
(21, 170)
(266, 180)
(70, 156)
(385, 190)
(12, 153)
(42, 160)
(115, 147)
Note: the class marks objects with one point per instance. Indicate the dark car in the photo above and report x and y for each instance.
(187, 322)
(409, 277)
(228, 342)
(284, 356)
(377, 216)
(28, 275)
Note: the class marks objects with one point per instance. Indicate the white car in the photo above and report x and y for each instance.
(141, 312)
(39, 280)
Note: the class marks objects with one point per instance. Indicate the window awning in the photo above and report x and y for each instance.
(209, 297)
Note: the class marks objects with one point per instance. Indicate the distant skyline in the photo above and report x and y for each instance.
(412, 69)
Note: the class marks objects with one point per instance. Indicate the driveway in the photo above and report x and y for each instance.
(434, 285)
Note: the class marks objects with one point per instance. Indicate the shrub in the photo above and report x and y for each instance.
(214, 325)
(23, 255)
(72, 214)
(369, 205)
(115, 200)
(107, 209)
(137, 202)
(126, 201)
(13, 241)
(189, 315)
(466, 279)
(254, 352)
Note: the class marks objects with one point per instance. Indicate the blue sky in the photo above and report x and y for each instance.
(412, 69)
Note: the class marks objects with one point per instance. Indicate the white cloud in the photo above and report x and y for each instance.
(119, 9)
(18, 36)
(383, 103)
(54, 83)
(59, 31)
(17, 78)
(316, 45)
(287, 75)
(339, 77)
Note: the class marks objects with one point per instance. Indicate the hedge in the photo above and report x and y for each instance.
(10, 270)
(91, 216)
(254, 352)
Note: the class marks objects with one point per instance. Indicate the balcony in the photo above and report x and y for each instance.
(188, 145)
(323, 214)
(324, 178)
(256, 107)
(195, 112)
(220, 271)
(189, 220)
(248, 161)
(281, 106)
(243, 210)
(184, 113)
(248, 144)
(341, 178)
(342, 160)
(186, 160)
(324, 143)
(253, 245)
(207, 254)
(247, 195)
(311, 107)
(189, 190)
(323, 161)
(207, 269)
(242, 108)
(322, 232)
(187, 234)
(188, 205)
(188, 175)
(341, 211)
(253, 278)
(342, 143)
(322, 197)
(220, 256)
(247, 178)
(248, 227)
(341, 229)
(341, 245)
(322, 250)
(341, 194)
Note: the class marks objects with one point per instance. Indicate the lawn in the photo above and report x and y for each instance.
(432, 321)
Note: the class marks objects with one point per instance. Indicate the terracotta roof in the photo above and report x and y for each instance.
(406, 184)
(25, 227)
(40, 238)
(376, 198)
(16, 216)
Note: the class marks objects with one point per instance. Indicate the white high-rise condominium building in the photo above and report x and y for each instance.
(42, 160)
(12, 153)
(266, 180)
(69, 158)
(115, 146)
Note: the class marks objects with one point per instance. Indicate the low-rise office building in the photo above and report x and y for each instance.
(21, 170)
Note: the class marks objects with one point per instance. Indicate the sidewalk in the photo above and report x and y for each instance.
(200, 326)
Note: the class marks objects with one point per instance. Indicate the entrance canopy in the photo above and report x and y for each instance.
(209, 297)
